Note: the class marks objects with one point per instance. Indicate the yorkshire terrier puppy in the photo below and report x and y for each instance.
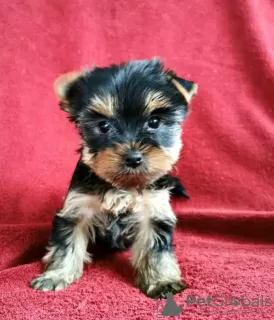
(129, 119)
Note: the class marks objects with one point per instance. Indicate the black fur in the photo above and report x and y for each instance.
(62, 229)
(84, 180)
(164, 230)
(116, 233)
(171, 183)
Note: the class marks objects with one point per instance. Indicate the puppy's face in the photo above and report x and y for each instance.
(129, 117)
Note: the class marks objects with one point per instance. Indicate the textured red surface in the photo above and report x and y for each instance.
(224, 240)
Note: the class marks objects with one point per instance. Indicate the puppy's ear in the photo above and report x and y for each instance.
(62, 85)
(188, 89)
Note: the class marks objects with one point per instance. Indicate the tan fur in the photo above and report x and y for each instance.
(153, 270)
(116, 201)
(109, 162)
(103, 105)
(149, 204)
(87, 155)
(155, 100)
(64, 104)
(157, 271)
(188, 95)
(61, 84)
(158, 161)
(81, 205)
(173, 153)
(64, 267)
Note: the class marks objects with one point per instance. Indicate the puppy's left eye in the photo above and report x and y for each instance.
(104, 126)
(154, 122)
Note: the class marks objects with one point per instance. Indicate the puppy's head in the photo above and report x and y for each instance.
(129, 117)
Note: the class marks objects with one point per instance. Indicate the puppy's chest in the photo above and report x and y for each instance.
(121, 201)
(132, 201)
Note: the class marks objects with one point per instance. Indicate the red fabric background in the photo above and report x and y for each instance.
(224, 240)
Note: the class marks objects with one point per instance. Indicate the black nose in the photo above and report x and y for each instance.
(133, 159)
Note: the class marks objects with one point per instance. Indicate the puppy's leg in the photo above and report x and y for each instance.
(68, 243)
(157, 270)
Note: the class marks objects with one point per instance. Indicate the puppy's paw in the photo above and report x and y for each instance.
(162, 288)
(47, 283)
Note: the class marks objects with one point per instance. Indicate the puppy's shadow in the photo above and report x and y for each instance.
(34, 251)
(116, 262)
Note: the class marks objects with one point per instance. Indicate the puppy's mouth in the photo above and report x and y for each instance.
(131, 180)
(131, 177)
(131, 168)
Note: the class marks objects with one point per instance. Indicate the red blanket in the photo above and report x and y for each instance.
(224, 239)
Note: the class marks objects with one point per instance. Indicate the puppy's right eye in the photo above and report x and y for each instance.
(104, 126)
(154, 122)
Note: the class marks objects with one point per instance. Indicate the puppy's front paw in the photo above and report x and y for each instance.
(162, 288)
(45, 282)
